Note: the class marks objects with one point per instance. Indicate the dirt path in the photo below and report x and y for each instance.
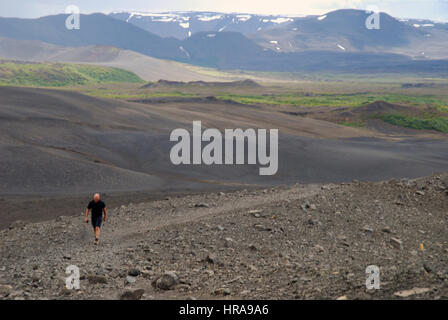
(295, 242)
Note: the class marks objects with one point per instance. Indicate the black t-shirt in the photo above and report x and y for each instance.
(96, 207)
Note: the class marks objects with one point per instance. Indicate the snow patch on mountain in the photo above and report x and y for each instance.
(244, 17)
(181, 24)
(321, 17)
(185, 25)
(280, 20)
(181, 48)
(206, 18)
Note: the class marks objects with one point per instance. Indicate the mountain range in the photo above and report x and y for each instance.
(337, 41)
(182, 25)
(146, 67)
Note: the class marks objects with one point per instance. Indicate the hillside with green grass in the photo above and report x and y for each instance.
(60, 74)
(437, 123)
(350, 105)
(337, 100)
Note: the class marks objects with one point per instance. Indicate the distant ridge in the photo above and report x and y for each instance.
(181, 25)
(337, 43)
(147, 68)
(238, 83)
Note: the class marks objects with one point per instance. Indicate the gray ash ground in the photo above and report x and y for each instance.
(294, 242)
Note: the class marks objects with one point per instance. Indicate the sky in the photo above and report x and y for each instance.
(423, 9)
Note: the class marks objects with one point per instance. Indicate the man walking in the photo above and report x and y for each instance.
(97, 207)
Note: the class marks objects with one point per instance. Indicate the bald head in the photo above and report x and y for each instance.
(96, 197)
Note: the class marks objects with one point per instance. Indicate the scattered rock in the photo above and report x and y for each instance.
(5, 290)
(228, 242)
(367, 229)
(234, 280)
(312, 222)
(260, 227)
(17, 225)
(211, 258)
(255, 213)
(227, 254)
(396, 243)
(244, 293)
(96, 279)
(131, 279)
(253, 247)
(386, 230)
(201, 205)
(427, 267)
(134, 272)
(222, 292)
(167, 281)
(411, 292)
(65, 292)
(132, 294)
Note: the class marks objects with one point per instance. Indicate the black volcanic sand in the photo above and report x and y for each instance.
(64, 146)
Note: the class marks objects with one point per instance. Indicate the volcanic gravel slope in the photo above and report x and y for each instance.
(66, 143)
(58, 147)
(295, 242)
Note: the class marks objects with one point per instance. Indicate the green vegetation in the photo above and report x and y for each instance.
(353, 124)
(439, 123)
(60, 74)
(429, 120)
(338, 100)
(292, 99)
(430, 104)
